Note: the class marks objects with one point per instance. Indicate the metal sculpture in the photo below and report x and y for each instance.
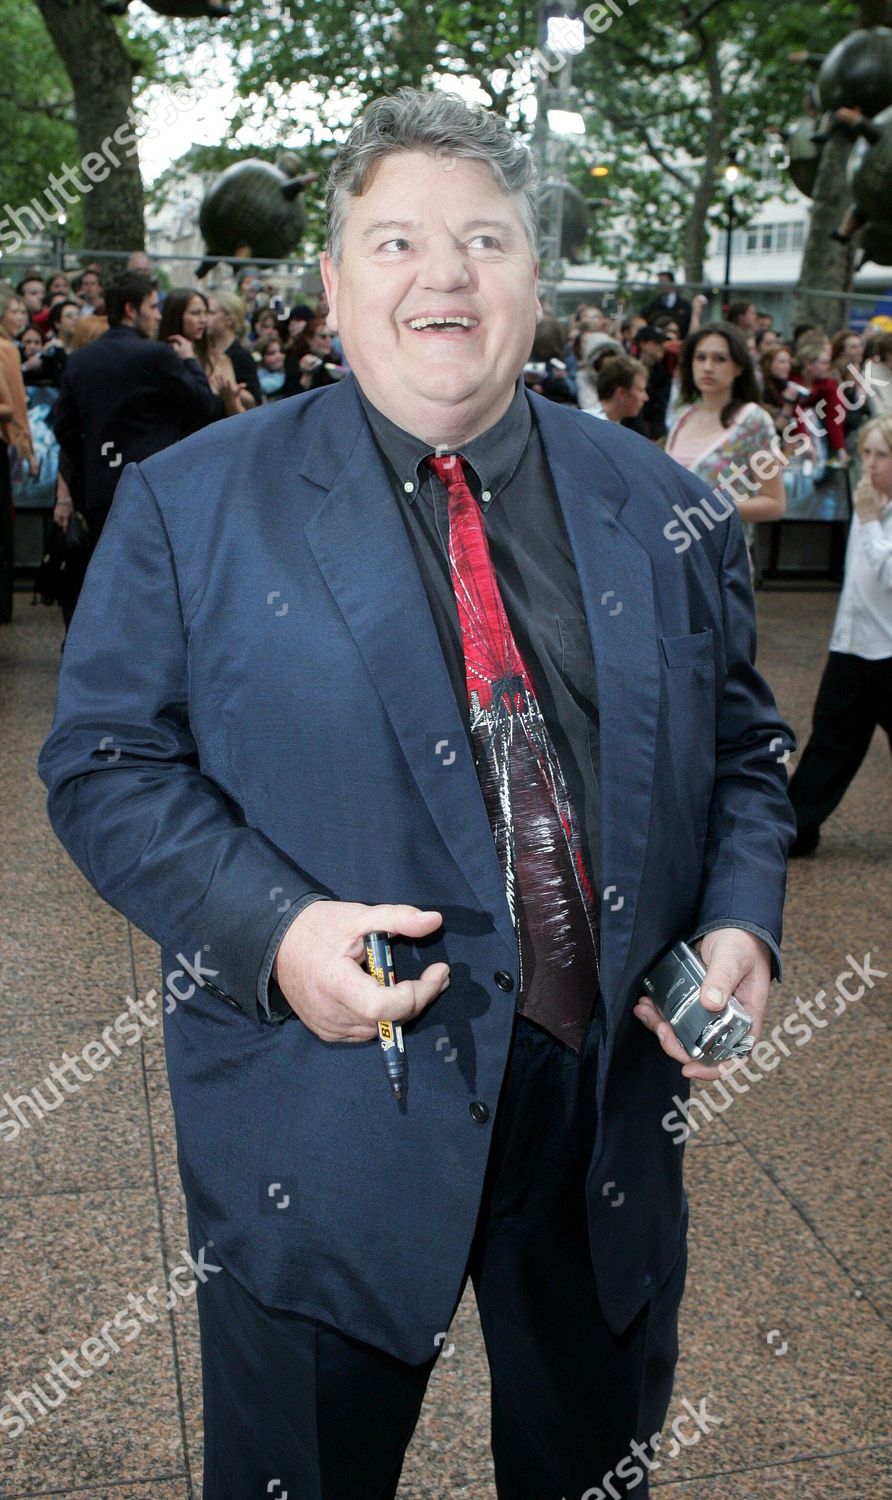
(254, 210)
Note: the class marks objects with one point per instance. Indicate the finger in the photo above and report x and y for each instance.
(647, 1013)
(407, 999)
(719, 982)
(407, 921)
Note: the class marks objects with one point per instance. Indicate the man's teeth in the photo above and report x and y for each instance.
(443, 323)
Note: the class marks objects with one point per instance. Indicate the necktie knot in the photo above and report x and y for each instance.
(449, 468)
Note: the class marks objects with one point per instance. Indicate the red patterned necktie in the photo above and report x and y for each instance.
(534, 823)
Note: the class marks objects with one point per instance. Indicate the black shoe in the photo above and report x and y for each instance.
(805, 843)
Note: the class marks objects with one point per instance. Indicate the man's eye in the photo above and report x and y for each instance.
(484, 242)
(393, 246)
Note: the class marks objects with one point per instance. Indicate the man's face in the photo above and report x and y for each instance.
(32, 296)
(68, 321)
(636, 398)
(651, 351)
(148, 316)
(435, 296)
(89, 287)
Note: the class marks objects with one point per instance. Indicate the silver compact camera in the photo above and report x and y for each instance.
(708, 1036)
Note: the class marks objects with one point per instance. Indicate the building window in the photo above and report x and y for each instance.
(752, 240)
(782, 235)
(798, 236)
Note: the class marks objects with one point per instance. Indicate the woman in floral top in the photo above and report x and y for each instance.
(721, 428)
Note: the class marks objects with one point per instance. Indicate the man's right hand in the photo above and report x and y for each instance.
(317, 968)
(181, 346)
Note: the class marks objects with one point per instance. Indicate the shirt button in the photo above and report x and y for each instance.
(504, 981)
(408, 487)
(479, 1111)
(486, 495)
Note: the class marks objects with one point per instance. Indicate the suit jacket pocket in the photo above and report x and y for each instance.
(689, 651)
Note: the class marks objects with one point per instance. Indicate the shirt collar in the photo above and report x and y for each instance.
(493, 457)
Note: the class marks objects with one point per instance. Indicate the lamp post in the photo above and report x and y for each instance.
(563, 33)
(732, 177)
(59, 242)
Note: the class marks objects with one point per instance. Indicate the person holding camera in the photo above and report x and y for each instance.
(412, 654)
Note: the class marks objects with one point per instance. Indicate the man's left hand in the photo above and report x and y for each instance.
(737, 962)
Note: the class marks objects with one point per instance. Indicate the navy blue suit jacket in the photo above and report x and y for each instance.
(255, 641)
(122, 398)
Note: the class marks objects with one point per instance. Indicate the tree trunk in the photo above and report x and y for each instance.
(827, 266)
(696, 234)
(101, 74)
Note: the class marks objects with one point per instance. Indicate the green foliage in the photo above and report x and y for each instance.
(36, 108)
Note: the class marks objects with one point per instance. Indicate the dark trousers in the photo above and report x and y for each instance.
(287, 1397)
(854, 697)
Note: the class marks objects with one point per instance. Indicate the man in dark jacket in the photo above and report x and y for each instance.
(125, 397)
(669, 301)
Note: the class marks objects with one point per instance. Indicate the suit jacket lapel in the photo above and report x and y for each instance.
(360, 543)
(616, 579)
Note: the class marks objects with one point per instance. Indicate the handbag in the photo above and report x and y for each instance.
(64, 564)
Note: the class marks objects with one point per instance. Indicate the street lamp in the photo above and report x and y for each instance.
(59, 241)
(732, 178)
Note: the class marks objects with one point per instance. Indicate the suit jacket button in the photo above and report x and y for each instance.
(479, 1111)
(504, 981)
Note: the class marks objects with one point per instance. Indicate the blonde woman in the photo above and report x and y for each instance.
(227, 335)
(15, 431)
(855, 695)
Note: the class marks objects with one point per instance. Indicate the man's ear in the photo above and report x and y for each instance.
(329, 272)
(539, 313)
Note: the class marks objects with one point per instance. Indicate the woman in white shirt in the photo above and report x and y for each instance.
(856, 689)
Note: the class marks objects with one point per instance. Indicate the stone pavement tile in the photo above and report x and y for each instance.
(73, 1262)
(856, 1475)
(771, 1332)
(176, 1239)
(92, 1137)
(832, 1155)
(66, 960)
(154, 1487)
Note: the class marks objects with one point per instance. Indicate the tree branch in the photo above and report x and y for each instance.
(695, 20)
(661, 161)
(63, 111)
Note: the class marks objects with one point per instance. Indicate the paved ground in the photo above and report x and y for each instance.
(786, 1321)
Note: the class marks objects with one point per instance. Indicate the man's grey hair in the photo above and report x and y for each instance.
(444, 127)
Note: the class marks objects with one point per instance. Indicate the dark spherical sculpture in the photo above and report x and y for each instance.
(253, 210)
(870, 175)
(804, 153)
(870, 168)
(876, 245)
(857, 73)
(574, 218)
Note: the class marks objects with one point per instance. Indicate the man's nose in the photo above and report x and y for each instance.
(443, 266)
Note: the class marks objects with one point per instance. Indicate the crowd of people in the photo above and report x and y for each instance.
(719, 395)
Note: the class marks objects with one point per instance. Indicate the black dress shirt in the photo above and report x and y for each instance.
(509, 476)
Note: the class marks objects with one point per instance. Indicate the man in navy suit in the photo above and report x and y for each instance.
(125, 396)
(414, 653)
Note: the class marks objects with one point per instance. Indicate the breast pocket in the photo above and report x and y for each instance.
(689, 652)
